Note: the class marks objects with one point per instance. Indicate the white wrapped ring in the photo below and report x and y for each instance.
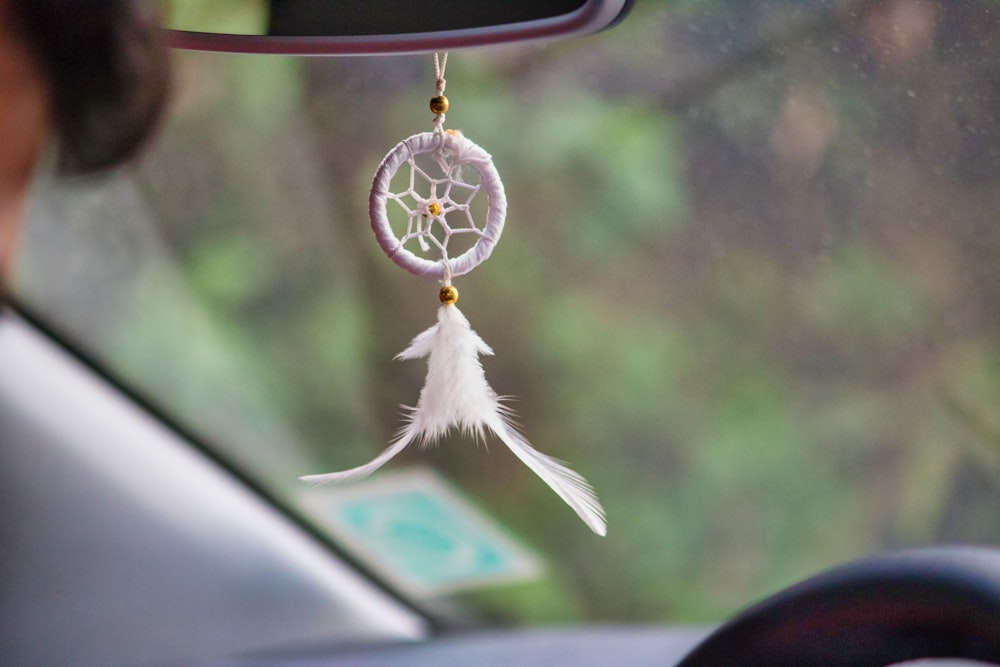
(452, 152)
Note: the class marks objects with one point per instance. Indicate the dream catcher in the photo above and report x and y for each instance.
(443, 177)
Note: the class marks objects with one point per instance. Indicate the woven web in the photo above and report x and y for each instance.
(437, 209)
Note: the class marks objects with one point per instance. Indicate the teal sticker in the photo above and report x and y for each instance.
(414, 529)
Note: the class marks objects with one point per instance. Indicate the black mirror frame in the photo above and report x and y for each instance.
(593, 16)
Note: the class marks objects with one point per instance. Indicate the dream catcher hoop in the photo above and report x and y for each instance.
(438, 205)
(448, 204)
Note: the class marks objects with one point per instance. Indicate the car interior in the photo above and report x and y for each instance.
(747, 287)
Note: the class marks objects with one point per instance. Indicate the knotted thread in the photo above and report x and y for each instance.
(440, 63)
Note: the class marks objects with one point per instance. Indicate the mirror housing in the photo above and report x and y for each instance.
(369, 27)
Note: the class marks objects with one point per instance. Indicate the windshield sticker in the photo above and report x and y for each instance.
(420, 534)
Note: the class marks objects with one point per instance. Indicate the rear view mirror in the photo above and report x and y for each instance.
(357, 27)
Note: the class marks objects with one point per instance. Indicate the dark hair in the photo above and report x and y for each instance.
(107, 70)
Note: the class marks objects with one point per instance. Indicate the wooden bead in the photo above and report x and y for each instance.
(448, 295)
(439, 104)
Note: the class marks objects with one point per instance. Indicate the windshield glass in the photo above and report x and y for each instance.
(747, 287)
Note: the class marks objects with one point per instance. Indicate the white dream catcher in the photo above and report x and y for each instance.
(438, 202)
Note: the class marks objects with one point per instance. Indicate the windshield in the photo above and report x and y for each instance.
(748, 287)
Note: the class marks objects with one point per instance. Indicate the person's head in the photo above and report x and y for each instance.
(89, 77)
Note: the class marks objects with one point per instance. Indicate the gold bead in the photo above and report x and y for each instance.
(439, 104)
(448, 295)
(434, 208)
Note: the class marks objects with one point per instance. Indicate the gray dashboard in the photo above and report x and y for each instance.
(120, 543)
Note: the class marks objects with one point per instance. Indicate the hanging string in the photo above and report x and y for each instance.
(440, 63)
(445, 279)
(439, 103)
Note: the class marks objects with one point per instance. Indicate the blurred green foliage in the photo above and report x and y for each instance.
(747, 286)
(240, 17)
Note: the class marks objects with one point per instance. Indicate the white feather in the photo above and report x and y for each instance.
(456, 394)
